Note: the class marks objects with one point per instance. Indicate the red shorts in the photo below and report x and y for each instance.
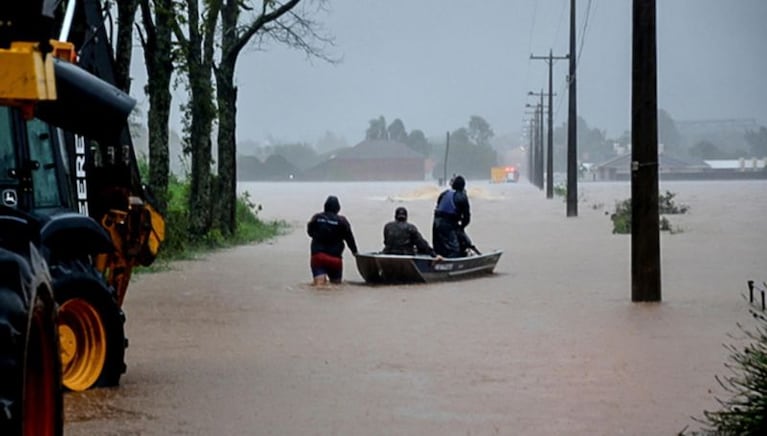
(322, 263)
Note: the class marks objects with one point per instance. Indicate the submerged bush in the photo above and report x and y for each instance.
(621, 218)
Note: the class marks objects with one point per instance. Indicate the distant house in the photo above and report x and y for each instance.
(370, 160)
(249, 168)
(674, 168)
(275, 168)
(619, 168)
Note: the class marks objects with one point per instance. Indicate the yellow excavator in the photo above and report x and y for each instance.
(75, 219)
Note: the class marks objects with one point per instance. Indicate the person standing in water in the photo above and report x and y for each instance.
(329, 231)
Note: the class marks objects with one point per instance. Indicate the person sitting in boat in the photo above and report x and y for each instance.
(451, 216)
(402, 237)
(329, 231)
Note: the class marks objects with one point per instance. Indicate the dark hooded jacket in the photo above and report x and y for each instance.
(329, 230)
(402, 237)
(453, 204)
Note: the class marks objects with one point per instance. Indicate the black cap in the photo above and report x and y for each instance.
(400, 214)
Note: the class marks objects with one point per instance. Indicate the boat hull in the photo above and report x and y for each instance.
(392, 268)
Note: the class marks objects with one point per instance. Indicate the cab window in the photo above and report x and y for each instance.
(7, 152)
(44, 175)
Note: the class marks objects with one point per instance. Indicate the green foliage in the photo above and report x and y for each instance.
(417, 141)
(593, 146)
(479, 131)
(396, 131)
(180, 244)
(560, 191)
(621, 218)
(377, 129)
(745, 413)
(666, 204)
(143, 168)
(466, 155)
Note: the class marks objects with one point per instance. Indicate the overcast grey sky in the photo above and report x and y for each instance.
(434, 63)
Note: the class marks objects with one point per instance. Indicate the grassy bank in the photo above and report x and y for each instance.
(181, 244)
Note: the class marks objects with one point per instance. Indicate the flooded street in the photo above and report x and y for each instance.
(238, 343)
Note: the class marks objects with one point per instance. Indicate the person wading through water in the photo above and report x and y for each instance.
(402, 237)
(329, 231)
(451, 216)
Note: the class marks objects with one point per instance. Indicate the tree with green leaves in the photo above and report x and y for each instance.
(466, 157)
(396, 131)
(377, 129)
(417, 141)
(593, 146)
(479, 131)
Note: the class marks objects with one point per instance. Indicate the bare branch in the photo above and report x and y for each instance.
(298, 31)
(257, 25)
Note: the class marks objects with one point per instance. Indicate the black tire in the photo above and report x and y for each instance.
(78, 284)
(30, 367)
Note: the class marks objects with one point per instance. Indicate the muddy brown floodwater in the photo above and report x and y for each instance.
(238, 343)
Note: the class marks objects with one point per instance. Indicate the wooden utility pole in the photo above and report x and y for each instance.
(538, 142)
(645, 232)
(572, 122)
(540, 145)
(550, 146)
(531, 149)
(539, 108)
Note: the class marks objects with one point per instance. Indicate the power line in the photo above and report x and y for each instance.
(561, 19)
(584, 30)
(530, 42)
(583, 33)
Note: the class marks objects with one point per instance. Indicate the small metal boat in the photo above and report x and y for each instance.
(392, 268)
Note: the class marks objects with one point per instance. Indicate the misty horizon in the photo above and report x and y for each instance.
(434, 64)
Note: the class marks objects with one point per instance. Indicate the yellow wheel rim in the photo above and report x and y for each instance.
(83, 344)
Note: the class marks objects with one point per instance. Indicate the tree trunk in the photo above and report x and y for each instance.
(227, 120)
(200, 127)
(159, 67)
(126, 16)
(227, 148)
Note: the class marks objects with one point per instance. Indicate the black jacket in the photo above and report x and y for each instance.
(329, 231)
(401, 237)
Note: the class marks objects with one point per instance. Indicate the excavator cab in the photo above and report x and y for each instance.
(70, 187)
(33, 168)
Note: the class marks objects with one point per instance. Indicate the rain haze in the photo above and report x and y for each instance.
(435, 63)
(241, 342)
